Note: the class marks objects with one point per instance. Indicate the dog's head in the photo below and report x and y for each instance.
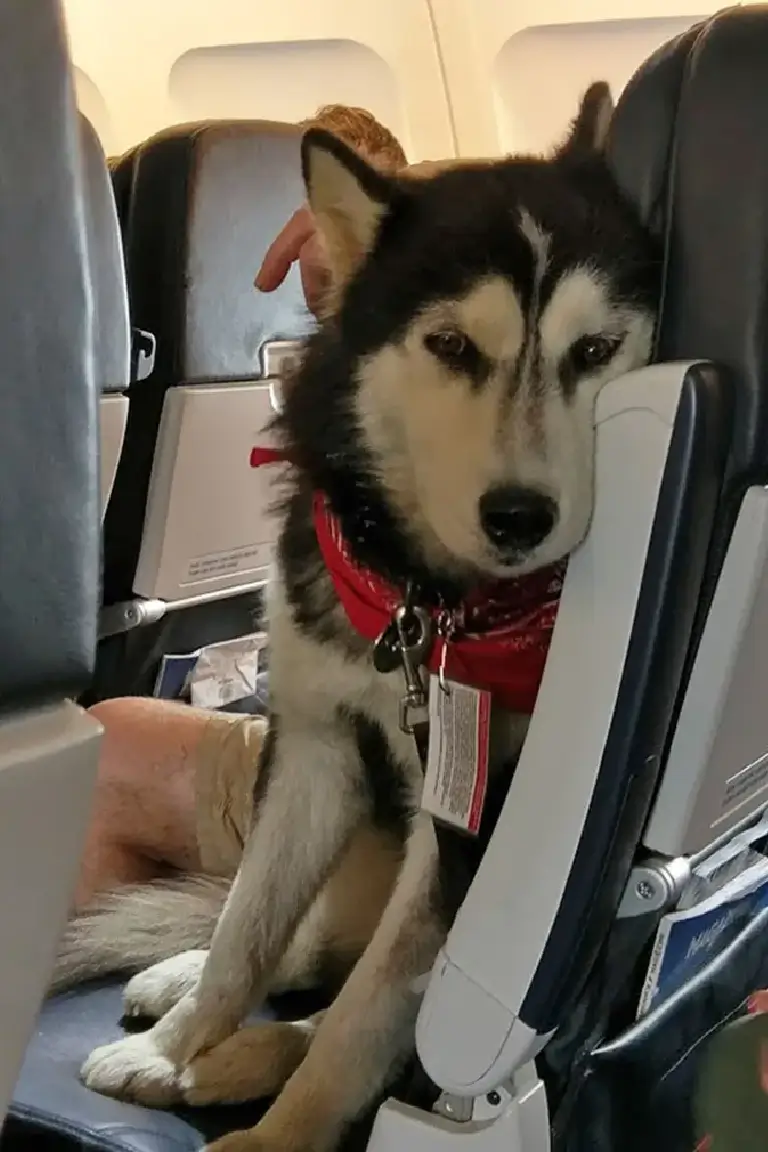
(447, 403)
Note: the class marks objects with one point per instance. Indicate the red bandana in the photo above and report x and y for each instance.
(504, 629)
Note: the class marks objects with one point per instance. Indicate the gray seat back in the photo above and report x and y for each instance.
(49, 512)
(49, 521)
(188, 530)
(110, 328)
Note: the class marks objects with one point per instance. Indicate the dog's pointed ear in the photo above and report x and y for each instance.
(349, 199)
(589, 130)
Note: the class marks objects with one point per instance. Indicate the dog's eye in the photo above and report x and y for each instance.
(591, 352)
(450, 346)
(459, 354)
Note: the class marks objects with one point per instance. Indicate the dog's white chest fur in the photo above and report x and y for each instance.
(314, 679)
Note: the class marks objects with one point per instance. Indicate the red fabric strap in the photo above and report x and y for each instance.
(505, 628)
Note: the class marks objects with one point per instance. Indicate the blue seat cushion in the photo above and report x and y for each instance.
(51, 1105)
(53, 1112)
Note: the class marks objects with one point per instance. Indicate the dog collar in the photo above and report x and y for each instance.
(500, 634)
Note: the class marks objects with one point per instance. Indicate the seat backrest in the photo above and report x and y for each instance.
(205, 201)
(685, 146)
(189, 519)
(111, 334)
(49, 512)
(688, 144)
(711, 87)
(665, 146)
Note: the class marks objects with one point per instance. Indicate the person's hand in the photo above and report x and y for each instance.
(298, 240)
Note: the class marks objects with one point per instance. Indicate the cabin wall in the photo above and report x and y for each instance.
(450, 77)
(144, 64)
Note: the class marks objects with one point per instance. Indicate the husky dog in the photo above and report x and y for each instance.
(441, 432)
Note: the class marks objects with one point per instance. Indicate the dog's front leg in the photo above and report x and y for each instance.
(311, 803)
(369, 1029)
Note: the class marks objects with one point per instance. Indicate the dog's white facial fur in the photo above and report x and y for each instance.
(440, 439)
(441, 443)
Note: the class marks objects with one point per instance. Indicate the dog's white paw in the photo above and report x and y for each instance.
(156, 990)
(132, 1069)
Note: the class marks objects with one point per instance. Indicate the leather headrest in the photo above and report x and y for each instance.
(110, 326)
(206, 200)
(689, 146)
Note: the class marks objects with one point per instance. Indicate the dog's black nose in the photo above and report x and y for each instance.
(516, 519)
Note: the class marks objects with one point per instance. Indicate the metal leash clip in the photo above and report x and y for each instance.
(406, 642)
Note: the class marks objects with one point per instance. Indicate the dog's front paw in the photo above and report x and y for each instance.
(156, 990)
(132, 1069)
(252, 1064)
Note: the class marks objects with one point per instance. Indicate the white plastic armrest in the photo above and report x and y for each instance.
(469, 1035)
(48, 765)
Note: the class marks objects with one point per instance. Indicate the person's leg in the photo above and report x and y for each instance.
(174, 792)
(143, 819)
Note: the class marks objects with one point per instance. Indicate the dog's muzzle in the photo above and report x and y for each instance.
(516, 520)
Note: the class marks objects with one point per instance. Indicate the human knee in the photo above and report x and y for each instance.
(117, 767)
(146, 784)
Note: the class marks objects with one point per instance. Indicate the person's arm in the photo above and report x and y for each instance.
(297, 241)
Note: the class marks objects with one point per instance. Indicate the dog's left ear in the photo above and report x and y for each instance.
(589, 130)
(349, 199)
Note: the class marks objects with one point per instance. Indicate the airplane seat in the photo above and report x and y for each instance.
(49, 514)
(667, 745)
(111, 332)
(704, 93)
(188, 525)
(656, 757)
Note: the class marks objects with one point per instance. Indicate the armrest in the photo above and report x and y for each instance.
(524, 934)
(48, 762)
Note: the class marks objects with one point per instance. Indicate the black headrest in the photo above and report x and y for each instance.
(206, 200)
(689, 145)
(49, 493)
(201, 204)
(121, 175)
(111, 328)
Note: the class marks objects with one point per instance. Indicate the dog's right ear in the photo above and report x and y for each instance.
(349, 199)
(589, 131)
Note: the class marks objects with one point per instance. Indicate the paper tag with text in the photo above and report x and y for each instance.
(456, 775)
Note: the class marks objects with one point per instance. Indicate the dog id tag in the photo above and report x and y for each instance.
(456, 773)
